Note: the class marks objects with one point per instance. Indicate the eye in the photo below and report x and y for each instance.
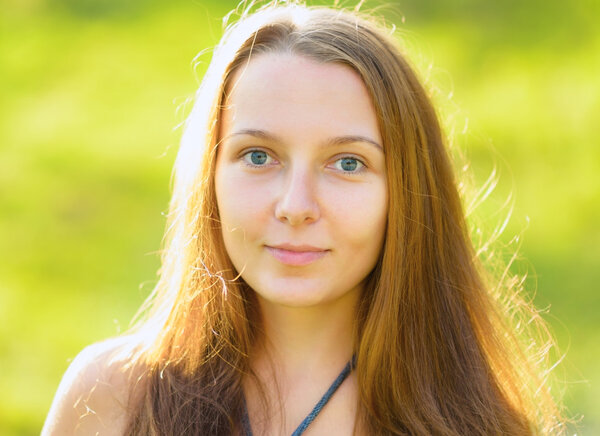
(349, 165)
(257, 158)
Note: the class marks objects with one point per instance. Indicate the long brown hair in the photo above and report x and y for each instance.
(437, 350)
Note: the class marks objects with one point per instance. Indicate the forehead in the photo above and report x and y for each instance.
(287, 93)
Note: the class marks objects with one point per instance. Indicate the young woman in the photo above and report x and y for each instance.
(318, 274)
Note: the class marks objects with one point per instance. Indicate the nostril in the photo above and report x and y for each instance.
(297, 203)
(295, 211)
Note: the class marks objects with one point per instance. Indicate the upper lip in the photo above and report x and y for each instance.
(298, 248)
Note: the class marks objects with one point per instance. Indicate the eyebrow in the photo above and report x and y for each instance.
(337, 140)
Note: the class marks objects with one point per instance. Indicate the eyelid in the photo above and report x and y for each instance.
(246, 151)
(362, 162)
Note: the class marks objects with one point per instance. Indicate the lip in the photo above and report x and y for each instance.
(296, 255)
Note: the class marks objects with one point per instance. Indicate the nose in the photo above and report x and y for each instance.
(297, 203)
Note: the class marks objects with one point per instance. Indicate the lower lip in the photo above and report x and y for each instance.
(296, 258)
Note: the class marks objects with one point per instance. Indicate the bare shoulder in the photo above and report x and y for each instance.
(93, 396)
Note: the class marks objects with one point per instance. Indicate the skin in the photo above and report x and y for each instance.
(302, 196)
(93, 393)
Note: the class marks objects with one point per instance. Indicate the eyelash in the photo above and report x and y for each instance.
(362, 166)
(247, 153)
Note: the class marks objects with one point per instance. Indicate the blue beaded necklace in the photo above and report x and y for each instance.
(317, 409)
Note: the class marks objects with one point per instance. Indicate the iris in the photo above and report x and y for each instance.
(258, 157)
(349, 164)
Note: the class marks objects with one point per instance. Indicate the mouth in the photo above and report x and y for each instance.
(296, 255)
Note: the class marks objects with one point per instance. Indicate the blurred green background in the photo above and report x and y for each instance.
(90, 91)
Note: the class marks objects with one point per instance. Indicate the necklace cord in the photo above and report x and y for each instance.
(318, 407)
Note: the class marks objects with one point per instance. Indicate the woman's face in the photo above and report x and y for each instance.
(300, 180)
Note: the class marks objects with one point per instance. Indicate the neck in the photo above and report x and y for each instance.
(308, 339)
(303, 351)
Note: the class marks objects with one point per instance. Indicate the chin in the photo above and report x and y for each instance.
(293, 300)
(298, 293)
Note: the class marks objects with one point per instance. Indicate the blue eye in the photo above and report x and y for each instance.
(349, 165)
(257, 158)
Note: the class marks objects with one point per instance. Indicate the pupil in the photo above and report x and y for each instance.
(349, 164)
(258, 157)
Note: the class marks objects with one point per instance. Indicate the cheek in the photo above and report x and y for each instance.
(360, 214)
(242, 204)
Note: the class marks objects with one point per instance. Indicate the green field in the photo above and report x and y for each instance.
(92, 91)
